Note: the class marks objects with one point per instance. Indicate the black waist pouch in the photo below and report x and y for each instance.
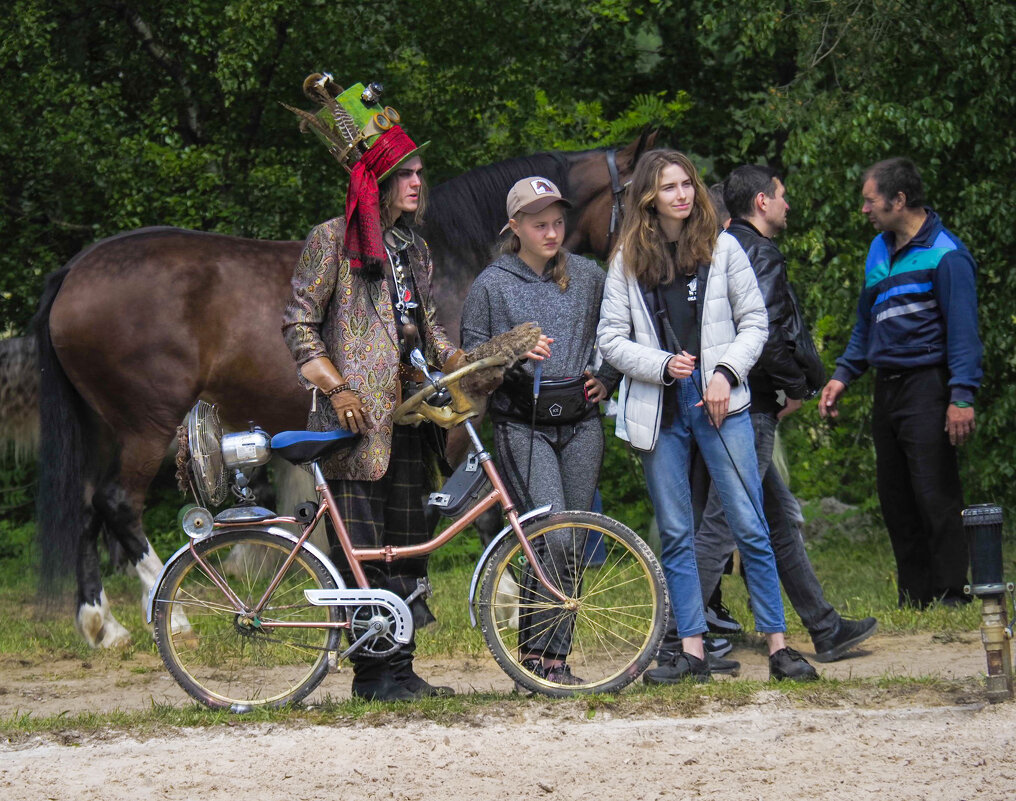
(562, 401)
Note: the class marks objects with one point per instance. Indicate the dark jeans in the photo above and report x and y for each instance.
(714, 543)
(919, 483)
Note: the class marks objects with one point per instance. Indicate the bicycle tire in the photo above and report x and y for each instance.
(227, 660)
(620, 611)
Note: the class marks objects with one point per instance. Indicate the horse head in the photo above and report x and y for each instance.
(596, 188)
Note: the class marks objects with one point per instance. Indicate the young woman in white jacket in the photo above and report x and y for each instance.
(683, 319)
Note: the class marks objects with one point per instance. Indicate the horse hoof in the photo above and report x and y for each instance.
(119, 638)
(98, 626)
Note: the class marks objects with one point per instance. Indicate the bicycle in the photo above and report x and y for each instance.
(246, 614)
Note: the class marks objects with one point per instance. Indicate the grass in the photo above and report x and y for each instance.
(638, 701)
(854, 563)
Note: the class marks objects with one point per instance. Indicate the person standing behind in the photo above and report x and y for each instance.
(551, 454)
(683, 319)
(789, 364)
(917, 326)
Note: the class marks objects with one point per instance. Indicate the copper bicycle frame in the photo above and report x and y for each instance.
(355, 556)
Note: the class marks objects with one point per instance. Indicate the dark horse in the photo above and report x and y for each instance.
(137, 327)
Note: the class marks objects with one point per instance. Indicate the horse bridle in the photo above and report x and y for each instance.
(617, 189)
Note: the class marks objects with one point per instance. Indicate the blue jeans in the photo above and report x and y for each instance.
(714, 542)
(666, 470)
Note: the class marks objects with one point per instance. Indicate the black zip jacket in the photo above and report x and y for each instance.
(789, 361)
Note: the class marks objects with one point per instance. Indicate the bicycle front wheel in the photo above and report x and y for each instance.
(228, 659)
(609, 629)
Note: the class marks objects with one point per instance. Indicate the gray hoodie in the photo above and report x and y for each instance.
(508, 293)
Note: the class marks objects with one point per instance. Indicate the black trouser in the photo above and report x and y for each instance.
(388, 511)
(919, 483)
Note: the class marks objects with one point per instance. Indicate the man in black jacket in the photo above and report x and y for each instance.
(788, 372)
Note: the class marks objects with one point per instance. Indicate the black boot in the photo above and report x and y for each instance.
(374, 680)
(403, 673)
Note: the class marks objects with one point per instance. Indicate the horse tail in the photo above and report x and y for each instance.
(62, 463)
(19, 398)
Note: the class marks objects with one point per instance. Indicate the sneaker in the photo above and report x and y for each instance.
(848, 635)
(684, 667)
(717, 646)
(535, 666)
(718, 664)
(720, 621)
(789, 664)
(561, 674)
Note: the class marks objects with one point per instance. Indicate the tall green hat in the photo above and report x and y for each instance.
(351, 121)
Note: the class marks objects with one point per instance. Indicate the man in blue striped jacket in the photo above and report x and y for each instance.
(917, 326)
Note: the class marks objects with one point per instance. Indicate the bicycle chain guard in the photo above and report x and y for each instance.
(382, 606)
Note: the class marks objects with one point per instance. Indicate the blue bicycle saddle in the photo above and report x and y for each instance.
(300, 447)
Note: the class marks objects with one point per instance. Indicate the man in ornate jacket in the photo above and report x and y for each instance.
(361, 302)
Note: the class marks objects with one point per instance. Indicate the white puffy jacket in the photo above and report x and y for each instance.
(734, 329)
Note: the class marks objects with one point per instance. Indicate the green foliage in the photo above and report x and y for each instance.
(622, 484)
(17, 507)
(121, 115)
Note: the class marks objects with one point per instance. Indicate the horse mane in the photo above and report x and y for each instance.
(466, 212)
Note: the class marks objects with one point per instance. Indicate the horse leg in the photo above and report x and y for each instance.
(293, 486)
(94, 619)
(121, 507)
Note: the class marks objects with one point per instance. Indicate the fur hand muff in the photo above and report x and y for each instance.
(512, 345)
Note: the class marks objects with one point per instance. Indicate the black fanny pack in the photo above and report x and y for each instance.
(562, 401)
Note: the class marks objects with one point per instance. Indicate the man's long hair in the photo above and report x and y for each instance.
(387, 198)
(646, 255)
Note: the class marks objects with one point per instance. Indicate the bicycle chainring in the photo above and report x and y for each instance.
(381, 644)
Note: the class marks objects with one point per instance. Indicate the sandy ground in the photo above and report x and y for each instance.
(948, 746)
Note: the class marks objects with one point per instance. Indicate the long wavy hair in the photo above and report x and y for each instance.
(558, 272)
(646, 254)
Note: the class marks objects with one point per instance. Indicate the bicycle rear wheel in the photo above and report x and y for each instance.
(610, 628)
(231, 660)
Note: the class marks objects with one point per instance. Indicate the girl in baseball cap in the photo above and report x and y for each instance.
(547, 433)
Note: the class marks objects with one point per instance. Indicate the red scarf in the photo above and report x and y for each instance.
(363, 213)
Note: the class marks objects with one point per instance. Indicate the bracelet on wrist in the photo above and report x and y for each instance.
(335, 390)
(962, 404)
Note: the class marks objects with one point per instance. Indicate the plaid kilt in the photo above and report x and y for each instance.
(389, 511)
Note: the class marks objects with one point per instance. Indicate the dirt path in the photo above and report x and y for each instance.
(765, 752)
(110, 682)
(770, 748)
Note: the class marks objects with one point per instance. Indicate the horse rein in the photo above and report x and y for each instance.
(617, 190)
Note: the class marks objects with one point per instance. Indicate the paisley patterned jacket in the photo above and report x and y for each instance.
(350, 320)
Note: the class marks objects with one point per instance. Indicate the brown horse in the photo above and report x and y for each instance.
(137, 327)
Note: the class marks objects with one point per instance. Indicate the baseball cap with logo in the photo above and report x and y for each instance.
(532, 195)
